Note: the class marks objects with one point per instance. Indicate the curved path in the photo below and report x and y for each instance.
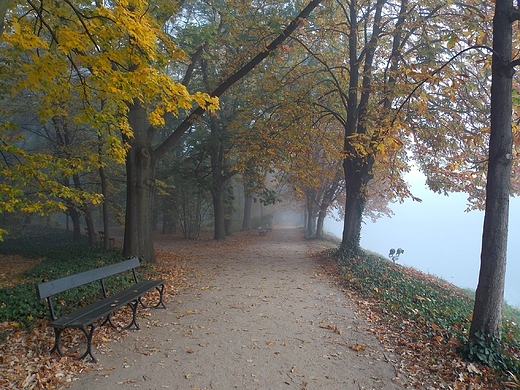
(259, 316)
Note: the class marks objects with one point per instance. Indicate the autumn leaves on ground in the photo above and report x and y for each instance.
(252, 312)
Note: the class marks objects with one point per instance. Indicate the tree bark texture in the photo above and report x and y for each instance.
(357, 175)
(357, 168)
(218, 213)
(75, 217)
(312, 214)
(487, 313)
(140, 168)
(106, 221)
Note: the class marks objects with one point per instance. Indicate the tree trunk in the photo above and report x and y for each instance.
(357, 169)
(357, 175)
(328, 198)
(90, 226)
(218, 211)
(319, 224)
(248, 207)
(104, 191)
(75, 217)
(140, 180)
(487, 313)
(311, 216)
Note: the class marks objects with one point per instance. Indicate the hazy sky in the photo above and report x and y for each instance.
(439, 238)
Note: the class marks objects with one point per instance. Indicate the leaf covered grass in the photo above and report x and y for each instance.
(428, 313)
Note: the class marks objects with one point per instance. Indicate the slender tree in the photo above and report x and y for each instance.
(487, 314)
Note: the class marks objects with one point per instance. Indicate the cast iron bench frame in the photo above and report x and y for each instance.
(264, 230)
(85, 318)
(111, 240)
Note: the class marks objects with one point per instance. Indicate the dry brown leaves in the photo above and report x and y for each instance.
(12, 267)
(424, 362)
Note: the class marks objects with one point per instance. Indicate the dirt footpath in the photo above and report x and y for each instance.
(261, 316)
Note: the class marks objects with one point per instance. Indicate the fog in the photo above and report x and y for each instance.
(440, 238)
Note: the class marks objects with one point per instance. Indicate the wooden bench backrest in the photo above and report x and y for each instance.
(48, 289)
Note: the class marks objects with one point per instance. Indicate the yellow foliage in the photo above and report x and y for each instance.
(86, 63)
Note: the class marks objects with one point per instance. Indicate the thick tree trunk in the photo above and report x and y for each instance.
(140, 168)
(357, 175)
(487, 313)
(218, 211)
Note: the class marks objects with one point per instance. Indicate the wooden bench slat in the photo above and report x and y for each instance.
(54, 287)
(87, 315)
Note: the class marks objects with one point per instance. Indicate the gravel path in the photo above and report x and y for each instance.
(259, 316)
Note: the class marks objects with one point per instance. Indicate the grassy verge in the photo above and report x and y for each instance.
(439, 312)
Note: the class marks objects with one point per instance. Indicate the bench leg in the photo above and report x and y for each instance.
(88, 335)
(133, 306)
(160, 303)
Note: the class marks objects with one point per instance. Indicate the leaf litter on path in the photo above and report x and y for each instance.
(422, 363)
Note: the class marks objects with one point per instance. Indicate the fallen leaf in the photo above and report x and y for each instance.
(357, 347)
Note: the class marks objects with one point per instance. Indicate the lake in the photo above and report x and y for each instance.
(440, 238)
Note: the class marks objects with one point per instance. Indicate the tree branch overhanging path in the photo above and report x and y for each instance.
(235, 77)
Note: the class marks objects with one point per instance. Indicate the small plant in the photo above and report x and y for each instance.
(484, 349)
(394, 254)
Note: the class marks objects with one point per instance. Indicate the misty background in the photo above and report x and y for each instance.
(439, 237)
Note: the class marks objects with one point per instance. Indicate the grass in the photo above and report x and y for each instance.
(439, 308)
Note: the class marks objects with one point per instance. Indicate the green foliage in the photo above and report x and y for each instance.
(486, 350)
(427, 300)
(268, 197)
(19, 303)
(34, 240)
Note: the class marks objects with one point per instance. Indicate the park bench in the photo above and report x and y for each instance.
(111, 240)
(264, 229)
(88, 318)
